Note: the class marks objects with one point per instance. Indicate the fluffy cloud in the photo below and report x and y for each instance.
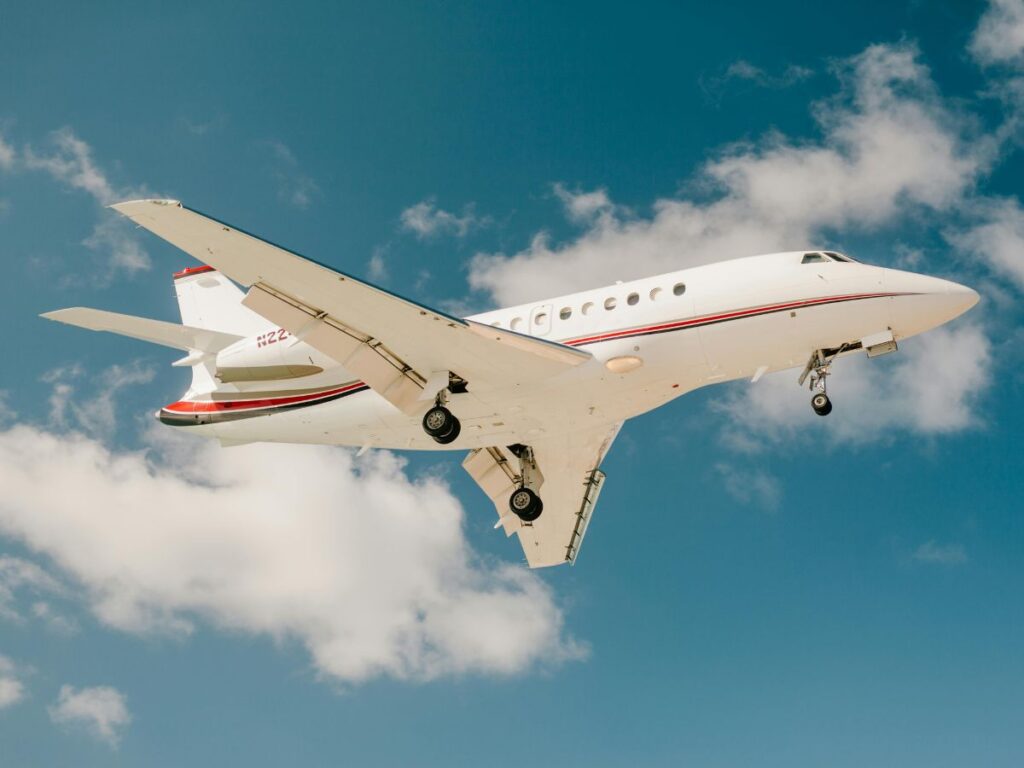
(998, 239)
(69, 160)
(928, 387)
(370, 571)
(11, 689)
(18, 575)
(750, 486)
(426, 220)
(999, 36)
(889, 145)
(99, 416)
(293, 186)
(101, 711)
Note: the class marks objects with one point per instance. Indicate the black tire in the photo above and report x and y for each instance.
(525, 504)
(452, 434)
(821, 404)
(438, 421)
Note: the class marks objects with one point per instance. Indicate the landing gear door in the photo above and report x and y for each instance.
(540, 320)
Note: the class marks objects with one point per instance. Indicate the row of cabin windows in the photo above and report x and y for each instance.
(610, 303)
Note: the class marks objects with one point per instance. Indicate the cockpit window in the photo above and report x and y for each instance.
(813, 258)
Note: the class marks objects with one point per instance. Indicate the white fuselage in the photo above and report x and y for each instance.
(651, 342)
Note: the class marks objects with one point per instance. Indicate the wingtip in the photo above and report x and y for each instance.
(56, 314)
(126, 206)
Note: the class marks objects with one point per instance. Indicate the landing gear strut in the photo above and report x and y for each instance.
(818, 368)
(524, 501)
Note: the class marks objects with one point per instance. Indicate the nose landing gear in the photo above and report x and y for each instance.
(818, 368)
(821, 404)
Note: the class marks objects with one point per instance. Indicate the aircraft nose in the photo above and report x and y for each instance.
(922, 302)
(960, 297)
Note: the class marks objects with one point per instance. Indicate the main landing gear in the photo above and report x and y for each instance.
(524, 501)
(441, 424)
(525, 504)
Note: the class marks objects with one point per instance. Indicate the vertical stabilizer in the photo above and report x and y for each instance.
(207, 299)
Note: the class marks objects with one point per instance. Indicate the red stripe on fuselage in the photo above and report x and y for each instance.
(732, 315)
(210, 406)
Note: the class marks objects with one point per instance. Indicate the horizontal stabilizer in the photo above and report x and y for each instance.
(156, 331)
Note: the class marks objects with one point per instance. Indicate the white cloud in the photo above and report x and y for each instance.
(70, 161)
(999, 36)
(72, 164)
(889, 145)
(377, 267)
(940, 554)
(7, 412)
(99, 415)
(998, 239)
(744, 71)
(114, 238)
(100, 710)
(750, 486)
(293, 186)
(584, 207)
(18, 574)
(11, 688)
(928, 387)
(370, 571)
(7, 155)
(426, 220)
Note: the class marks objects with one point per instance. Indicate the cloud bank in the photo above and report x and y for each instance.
(368, 570)
(889, 146)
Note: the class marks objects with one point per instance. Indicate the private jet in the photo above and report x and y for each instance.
(535, 393)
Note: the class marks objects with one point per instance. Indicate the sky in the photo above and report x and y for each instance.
(759, 586)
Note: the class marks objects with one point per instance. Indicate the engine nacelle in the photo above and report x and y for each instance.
(271, 356)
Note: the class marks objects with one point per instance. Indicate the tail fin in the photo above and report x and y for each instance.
(207, 299)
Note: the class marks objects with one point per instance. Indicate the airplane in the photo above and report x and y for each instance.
(535, 393)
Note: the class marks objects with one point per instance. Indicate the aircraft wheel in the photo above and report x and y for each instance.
(438, 421)
(821, 404)
(451, 435)
(525, 504)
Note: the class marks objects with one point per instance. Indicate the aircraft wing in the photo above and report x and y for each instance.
(155, 331)
(401, 349)
(570, 464)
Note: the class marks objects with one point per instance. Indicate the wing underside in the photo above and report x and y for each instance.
(395, 345)
(572, 481)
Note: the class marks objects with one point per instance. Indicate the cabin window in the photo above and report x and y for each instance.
(516, 324)
(565, 313)
(632, 299)
(679, 289)
(587, 307)
(610, 303)
(540, 318)
(813, 258)
(655, 293)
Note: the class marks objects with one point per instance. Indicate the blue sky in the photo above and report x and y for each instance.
(759, 586)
